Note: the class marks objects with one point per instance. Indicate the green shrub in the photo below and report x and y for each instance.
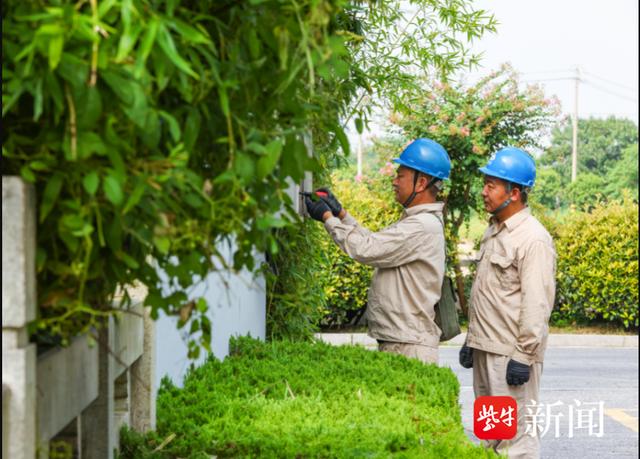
(345, 281)
(287, 400)
(597, 273)
(295, 295)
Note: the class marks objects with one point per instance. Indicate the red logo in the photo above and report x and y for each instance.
(495, 418)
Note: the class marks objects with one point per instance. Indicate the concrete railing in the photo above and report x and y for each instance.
(80, 394)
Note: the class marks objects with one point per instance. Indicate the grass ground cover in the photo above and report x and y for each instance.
(282, 399)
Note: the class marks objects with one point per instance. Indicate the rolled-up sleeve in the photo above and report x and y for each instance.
(537, 276)
(390, 247)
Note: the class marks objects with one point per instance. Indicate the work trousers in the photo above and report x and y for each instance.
(490, 378)
(425, 354)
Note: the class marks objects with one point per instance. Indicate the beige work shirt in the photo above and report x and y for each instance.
(513, 292)
(408, 258)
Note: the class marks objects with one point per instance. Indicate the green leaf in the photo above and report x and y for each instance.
(56, 44)
(90, 143)
(73, 69)
(89, 104)
(53, 89)
(243, 165)
(112, 190)
(201, 305)
(269, 221)
(267, 163)
(50, 195)
(27, 174)
(174, 127)
(342, 138)
(165, 40)
(135, 196)
(105, 6)
(128, 260)
(188, 32)
(38, 166)
(127, 41)
(122, 87)
(37, 100)
(146, 45)
(163, 244)
(192, 128)
(151, 133)
(224, 100)
(91, 182)
(359, 125)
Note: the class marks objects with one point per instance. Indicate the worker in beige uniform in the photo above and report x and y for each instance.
(511, 298)
(408, 256)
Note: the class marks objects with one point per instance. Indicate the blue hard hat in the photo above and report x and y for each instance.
(513, 165)
(427, 156)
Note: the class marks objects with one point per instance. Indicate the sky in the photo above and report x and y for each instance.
(545, 40)
(548, 39)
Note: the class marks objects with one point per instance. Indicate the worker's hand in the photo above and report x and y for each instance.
(466, 356)
(517, 373)
(316, 209)
(327, 196)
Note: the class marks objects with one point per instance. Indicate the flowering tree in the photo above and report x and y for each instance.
(472, 123)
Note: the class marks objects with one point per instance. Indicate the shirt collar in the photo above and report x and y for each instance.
(512, 222)
(433, 207)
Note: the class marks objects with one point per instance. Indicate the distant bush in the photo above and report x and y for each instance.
(346, 282)
(303, 400)
(597, 274)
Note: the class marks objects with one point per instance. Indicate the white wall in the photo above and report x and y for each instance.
(237, 306)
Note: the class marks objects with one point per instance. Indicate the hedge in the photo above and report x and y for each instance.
(286, 400)
(597, 273)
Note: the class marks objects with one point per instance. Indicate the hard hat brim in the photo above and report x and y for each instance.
(412, 166)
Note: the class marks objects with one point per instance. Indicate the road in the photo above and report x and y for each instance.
(577, 377)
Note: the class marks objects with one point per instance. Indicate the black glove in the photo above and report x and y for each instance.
(517, 373)
(331, 200)
(317, 208)
(466, 356)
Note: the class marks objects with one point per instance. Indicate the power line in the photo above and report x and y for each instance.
(621, 96)
(611, 82)
(546, 71)
(548, 79)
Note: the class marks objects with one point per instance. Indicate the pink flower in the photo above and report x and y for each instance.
(479, 119)
(464, 131)
(387, 169)
(436, 109)
(476, 149)
(433, 128)
(453, 129)
(359, 178)
(460, 117)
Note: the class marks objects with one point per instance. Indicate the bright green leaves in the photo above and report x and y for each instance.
(112, 189)
(50, 194)
(165, 40)
(268, 161)
(597, 264)
(146, 45)
(56, 45)
(190, 135)
(90, 182)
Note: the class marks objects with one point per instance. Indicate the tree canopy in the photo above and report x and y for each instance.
(154, 130)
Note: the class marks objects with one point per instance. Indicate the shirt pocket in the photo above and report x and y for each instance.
(505, 271)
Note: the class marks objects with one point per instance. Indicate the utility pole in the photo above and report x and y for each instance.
(574, 149)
